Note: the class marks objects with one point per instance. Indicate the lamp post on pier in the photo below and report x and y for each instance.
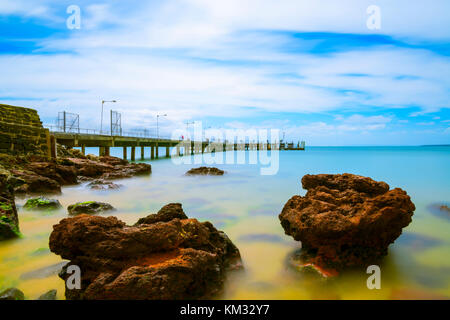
(101, 120)
(157, 123)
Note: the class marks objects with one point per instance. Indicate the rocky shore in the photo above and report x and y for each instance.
(39, 175)
(345, 221)
(163, 256)
(24, 175)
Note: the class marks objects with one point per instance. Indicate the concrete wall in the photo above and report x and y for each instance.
(21, 132)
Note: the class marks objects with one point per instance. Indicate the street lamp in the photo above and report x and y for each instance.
(187, 127)
(101, 120)
(157, 123)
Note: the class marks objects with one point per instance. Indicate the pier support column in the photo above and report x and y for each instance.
(142, 154)
(107, 152)
(83, 150)
(167, 152)
(157, 151)
(53, 153)
(101, 151)
(133, 153)
(124, 153)
(178, 150)
(152, 155)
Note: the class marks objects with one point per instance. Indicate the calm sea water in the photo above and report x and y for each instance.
(246, 205)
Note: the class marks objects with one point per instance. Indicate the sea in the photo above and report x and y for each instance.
(245, 204)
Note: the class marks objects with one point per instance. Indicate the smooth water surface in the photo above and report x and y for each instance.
(246, 205)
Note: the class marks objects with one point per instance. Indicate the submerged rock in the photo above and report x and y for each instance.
(100, 184)
(345, 220)
(203, 171)
(164, 256)
(9, 221)
(42, 203)
(89, 207)
(12, 294)
(49, 295)
(440, 210)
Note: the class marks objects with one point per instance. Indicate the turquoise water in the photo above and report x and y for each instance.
(246, 204)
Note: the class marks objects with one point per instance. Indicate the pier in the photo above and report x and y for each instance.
(182, 147)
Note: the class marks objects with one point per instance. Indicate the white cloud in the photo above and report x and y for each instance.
(197, 58)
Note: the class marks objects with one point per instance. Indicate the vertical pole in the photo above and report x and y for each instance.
(133, 153)
(124, 153)
(64, 120)
(101, 119)
(157, 150)
(142, 153)
(83, 150)
(167, 152)
(111, 120)
(53, 147)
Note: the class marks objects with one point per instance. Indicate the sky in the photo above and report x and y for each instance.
(312, 69)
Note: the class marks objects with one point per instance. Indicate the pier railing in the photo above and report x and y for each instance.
(132, 133)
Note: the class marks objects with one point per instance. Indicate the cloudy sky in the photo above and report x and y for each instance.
(312, 69)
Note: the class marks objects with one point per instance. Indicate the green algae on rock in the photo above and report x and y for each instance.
(42, 203)
(12, 294)
(89, 207)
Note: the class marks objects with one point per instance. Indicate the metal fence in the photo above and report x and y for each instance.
(134, 133)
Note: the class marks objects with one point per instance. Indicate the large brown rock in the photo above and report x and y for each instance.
(164, 256)
(345, 220)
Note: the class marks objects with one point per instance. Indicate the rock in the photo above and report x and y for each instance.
(345, 220)
(165, 214)
(49, 295)
(42, 203)
(440, 210)
(30, 183)
(127, 171)
(62, 173)
(89, 207)
(12, 294)
(65, 152)
(163, 256)
(92, 157)
(34, 174)
(100, 184)
(9, 221)
(114, 161)
(211, 171)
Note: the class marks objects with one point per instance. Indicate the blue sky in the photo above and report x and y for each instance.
(313, 70)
